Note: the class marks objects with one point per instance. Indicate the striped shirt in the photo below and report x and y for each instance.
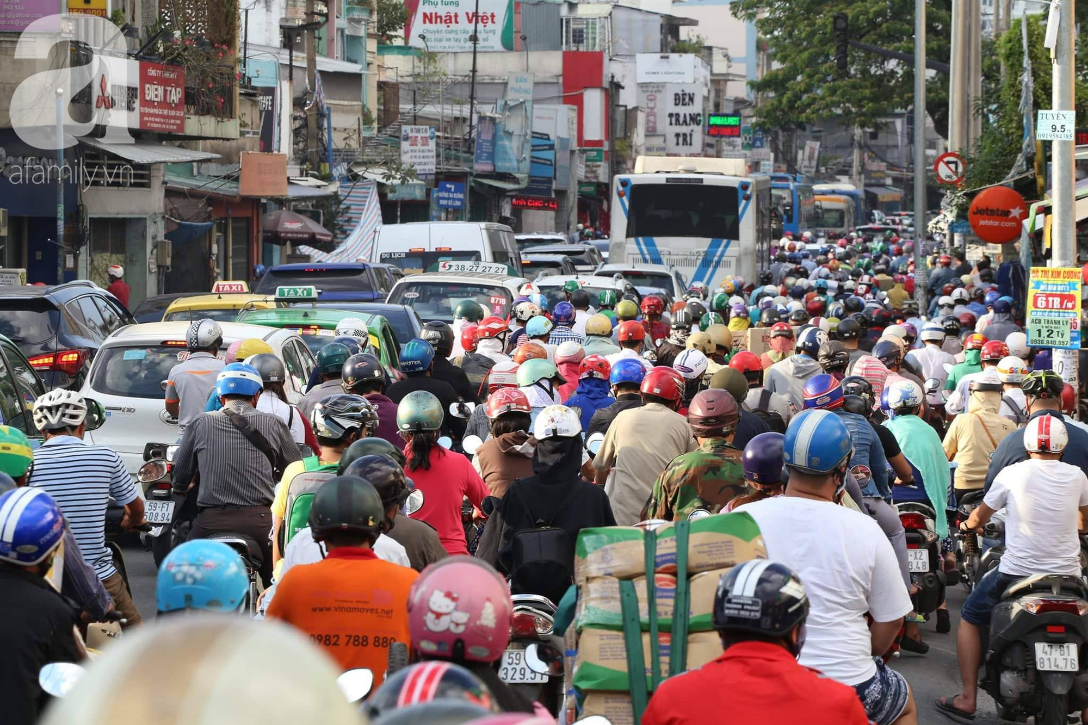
(82, 478)
(562, 333)
(232, 471)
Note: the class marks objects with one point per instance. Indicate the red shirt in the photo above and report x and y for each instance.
(450, 478)
(119, 289)
(754, 682)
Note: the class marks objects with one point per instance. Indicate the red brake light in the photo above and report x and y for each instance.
(66, 361)
(913, 521)
(526, 624)
(1056, 628)
(1043, 605)
(443, 249)
(173, 343)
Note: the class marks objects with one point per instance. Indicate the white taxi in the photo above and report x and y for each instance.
(435, 295)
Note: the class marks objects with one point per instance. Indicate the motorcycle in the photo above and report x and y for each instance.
(1032, 664)
(160, 501)
(965, 544)
(533, 661)
(250, 553)
(115, 514)
(923, 556)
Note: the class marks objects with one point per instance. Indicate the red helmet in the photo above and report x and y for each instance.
(974, 341)
(1069, 399)
(945, 260)
(746, 362)
(816, 306)
(630, 330)
(653, 305)
(897, 250)
(995, 350)
(664, 383)
(948, 289)
(507, 400)
(594, 366)
(491, 327)
(530, 351)
(967, 319)
(781, 329)
(468, 337)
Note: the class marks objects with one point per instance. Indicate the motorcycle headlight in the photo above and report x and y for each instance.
(151, 471)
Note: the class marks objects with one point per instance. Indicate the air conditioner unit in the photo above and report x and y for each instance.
(3, 222)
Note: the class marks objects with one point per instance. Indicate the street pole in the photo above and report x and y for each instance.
(472, 85)
(1064, 231)
(920, 151)
(311, 80)
(60, 184)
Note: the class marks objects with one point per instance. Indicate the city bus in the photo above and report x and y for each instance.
(834, 216)
(706, 218)
(849, 191)
(793, 197)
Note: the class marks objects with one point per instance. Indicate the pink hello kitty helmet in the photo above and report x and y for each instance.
(459, 609)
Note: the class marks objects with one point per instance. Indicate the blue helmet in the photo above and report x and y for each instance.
(991, 297)
(809, 341)
(821, 284)
(1002, 306)
(563, 313)
(202, 574)
(817, 441)
(762, 459)
(351, 343)
(417, 356)
(31, 526)
(539, 300)
(238, 379)
(539, 325)
(823, 391)
(627, 370)
(887, 352)
(797, 292)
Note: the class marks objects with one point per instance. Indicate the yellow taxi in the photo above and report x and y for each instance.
(222, 305)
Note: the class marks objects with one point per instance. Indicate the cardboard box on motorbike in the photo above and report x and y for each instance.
(599, 604)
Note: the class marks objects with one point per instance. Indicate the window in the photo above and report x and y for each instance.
(584, 34)
(95, 323)
(389, 342)
(109, 314)
(10, 409)
(683, 210)
(385, 280)
(29, 389)
(133, 372)
(294, 366)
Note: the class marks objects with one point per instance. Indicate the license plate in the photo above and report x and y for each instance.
(159, 512)
(514, 670)
(1056, 657)
(918, 560)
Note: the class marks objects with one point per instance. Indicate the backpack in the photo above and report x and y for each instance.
(300, 496)
(1019, 416)
(772, 419)
(543, 556)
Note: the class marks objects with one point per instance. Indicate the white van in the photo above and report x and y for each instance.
(420, 247)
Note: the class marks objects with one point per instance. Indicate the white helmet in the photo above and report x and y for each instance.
(904, 394)
(946, 301)
(528, 288)
(556, 421)
(116, 271)
(59, 409)
(691, 364)
(932, 332)
(897, 331)
(1012, 369)
(1018, 344)
(806, 235)
(1045, 434)
(204, 335)
(821, 322)
(525, 311)
(504, 374)
(960, 295)
(352, 327)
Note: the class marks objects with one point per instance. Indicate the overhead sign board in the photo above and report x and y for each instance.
(535, 203)
(446, 26)
(724, 125)
(1054, 306)
(950, 168)
(1056, 126)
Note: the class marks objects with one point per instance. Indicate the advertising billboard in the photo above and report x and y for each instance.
(447, 25)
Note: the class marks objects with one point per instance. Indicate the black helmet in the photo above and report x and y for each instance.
(347, 503)
(769, 316)
(1043, 384)
(681, 319)
(856, 404)
(880, 318)
(763, 598)
(270, 367)
(798, 317)
(359, 369)
(330, 359)
(369, 447)
(833, 354)
(951, 326)
(859, 386)
(854, 304)
(385, 475)
(848, 329)
(440, 335)
(580, 299)
(993, 385)
(765, 277)
(336, 416)
(695, 310)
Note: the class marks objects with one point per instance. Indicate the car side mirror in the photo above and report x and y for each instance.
(163, 385)
(446, 442)
(461, 409)
(488, 504)
(932, 385)
(96, 414)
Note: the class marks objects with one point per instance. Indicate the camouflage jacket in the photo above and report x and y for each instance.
(708, 477)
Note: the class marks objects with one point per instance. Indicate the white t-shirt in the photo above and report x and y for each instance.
(848, 568)
(1016, 395)
(269, 403)
(1040, 499)
(628, 354)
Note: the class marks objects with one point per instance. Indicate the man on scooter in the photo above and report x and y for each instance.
(1046, 503)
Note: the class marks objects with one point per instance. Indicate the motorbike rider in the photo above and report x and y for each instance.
(191, 380)
(1001, 324)
(692, 365)
(631, 336)
(846, 562)
(787, 378)
(781, 342)
(416, 362)
(475, 366)
(722, 338)
(760, 608)
(117, 286)
(338, 421)
(931, 358)
(972, 360)
(758, 397)
(710, 476)
(593, 392)
(580, 299)
(348, 515)
(364, 375)
(625, 379)
(764, 470)
(642, 441)
(992, 353)
(507, 454)
(750, 424)
(37, 625)
(557, 496)
(330, 366)
(440, 335)
(564, 317)
(443, 477)
(657, 330)
(274, 399)
(599, 336)
(1046, 503)
(972, 438)
(82, 478)
(568, 360)
(503, 375)
(1011, 371)
(238, 469)
(679, 328)
(244, 350)
(201, 575)
(467, 312)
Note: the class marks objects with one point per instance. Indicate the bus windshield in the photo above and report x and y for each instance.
(832, 219)
(683, 210)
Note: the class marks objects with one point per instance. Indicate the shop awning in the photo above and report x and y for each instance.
(204, 185)
(305, 191)
(885, 193)
(499, 184)
(146, 152)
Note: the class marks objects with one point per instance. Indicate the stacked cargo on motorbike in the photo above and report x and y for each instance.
(644, 611)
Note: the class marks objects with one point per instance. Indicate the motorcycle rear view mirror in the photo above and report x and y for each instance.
(947, 367)
(355, 684)
(544, 659)
(163, 384)
(462, 409)
(932, 385)
(414, 502)
(446, 442)
(594, 720)
(96, 414)
(699, 514)
(58, 678)
(593, 443)
(471, 444)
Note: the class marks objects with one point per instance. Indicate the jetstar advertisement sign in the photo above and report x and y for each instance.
(997, 214)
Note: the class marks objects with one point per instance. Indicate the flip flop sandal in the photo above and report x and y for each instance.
(945, 706)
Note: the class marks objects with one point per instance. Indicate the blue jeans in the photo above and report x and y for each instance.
(985, 596)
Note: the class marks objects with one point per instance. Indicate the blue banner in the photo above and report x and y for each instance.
(449, 194)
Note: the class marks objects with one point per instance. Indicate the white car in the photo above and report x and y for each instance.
(127, 374)
(660, 276)
(435, 295)
(552, 286)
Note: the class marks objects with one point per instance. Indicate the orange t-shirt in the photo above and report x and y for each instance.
(352, 604)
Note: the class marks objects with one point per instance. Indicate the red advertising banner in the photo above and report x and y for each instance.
(162, 98)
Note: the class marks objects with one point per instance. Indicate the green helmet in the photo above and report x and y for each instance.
(571, 285)
(331, 358)
(865, 263)
(720, 303)
(468, 310)
(534, 370)
(15, 452)
(626, 310)
(419, 411)
(711, 318)
(369, 447)
(606, 299)
(347, 503)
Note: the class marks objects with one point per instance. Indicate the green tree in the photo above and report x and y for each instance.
(805, 86)
(391, 19)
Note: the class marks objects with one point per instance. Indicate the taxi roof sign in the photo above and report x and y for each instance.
(229, 287)
(301, 293)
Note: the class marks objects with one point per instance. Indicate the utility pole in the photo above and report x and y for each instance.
(472, 85)
(312, 151)
(1063, 234)
(920, 151)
